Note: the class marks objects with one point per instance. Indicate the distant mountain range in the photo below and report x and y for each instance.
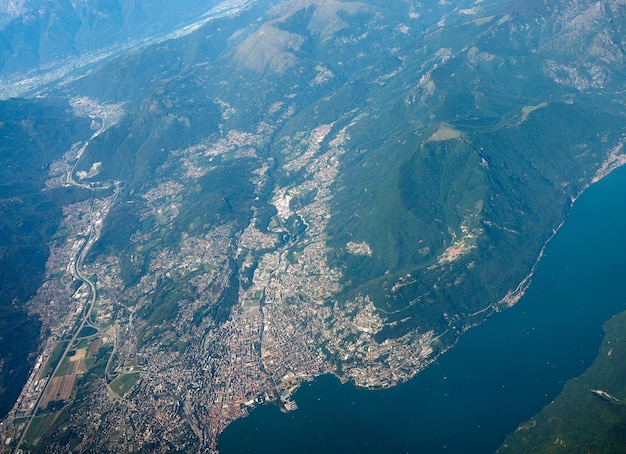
(43, 39)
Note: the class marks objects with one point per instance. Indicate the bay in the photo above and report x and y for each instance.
(497, 376)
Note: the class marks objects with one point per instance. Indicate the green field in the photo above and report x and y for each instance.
(122, 384)
(84, 343)
(54, 358)
(180, 345)
(62, 370)
(38, 427)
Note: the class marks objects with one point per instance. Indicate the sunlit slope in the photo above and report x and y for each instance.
(469, 134)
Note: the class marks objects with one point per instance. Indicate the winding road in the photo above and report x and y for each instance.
(75, 269)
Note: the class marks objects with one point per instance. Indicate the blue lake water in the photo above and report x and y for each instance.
(496, 377)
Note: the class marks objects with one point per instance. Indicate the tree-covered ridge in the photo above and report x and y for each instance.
(588, 415)
(32, 133)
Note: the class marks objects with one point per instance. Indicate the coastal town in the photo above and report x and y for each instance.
(227, 317)
(179, 381)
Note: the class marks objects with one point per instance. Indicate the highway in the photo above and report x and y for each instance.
(85, 321)
(77, 273)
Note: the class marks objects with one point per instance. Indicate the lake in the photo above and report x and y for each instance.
(497, 376)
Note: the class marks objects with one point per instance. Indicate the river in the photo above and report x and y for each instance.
(497, 376)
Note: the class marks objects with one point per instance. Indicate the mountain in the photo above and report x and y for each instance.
(44, 40)
(589, 414)
(32, 133)
(297, 188)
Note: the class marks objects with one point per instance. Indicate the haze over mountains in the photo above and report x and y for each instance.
(45, 39)
(282, 190)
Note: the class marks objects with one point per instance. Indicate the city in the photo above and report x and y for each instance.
(186, 377)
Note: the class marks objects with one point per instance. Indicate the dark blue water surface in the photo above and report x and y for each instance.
(496, 377)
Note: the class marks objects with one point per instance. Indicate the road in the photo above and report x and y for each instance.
(76, 271)
(85, 321)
